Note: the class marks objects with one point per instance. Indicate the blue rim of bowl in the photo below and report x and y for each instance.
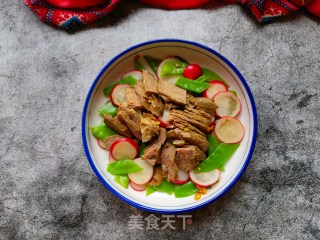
(170, 211)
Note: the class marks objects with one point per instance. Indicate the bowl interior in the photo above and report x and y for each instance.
(193, 53)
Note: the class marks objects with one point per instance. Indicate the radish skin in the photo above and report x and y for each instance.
(138, 187)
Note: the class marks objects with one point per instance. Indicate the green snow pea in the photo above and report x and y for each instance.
(123, 167)
(150, 190)
(102, 131)
(127, 80)
(202, 78)
(218, 155)
(166, 187)
(192, 85)
(173, 67)
(234, 92)
(109, 109)
(185, 190)
(138, 65)
(123, 180)
(210, 75)
(153, 62)
(142, 146)
(182, 60)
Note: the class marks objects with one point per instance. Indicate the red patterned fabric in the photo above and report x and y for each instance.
(69, 18)
(263, 10)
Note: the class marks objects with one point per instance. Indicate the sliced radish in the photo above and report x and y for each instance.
(169, 78)
(101, 144)
(229, 130)
(164, 118)
(228, 104)
(143, 176)
(183, 177)
(138, 187)
(124, 148)
(118, 94)
(111, 159)
(214, 89)
(134, 73)
(205, 179)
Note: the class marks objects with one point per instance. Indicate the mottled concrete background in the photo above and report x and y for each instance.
(47, 188)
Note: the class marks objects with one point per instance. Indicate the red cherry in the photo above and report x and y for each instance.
(192, 71)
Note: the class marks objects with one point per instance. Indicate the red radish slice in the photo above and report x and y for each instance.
(183, 177)
(134, 73)
(101, 144)
(229, 130)
(205, 179)
(192, 71)
(214, 89)
(169, 78)
(138, 187)
(124, 148)
(111, 159)
(228, 104)
(164, 119)
(118, 94)
(143, 176)
(217, 81)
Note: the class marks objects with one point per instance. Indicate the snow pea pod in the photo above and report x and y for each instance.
(150, 190)
(142, 146)
(102, 131)
(166, 187)
(109, 109)
(185, 190)
(127, 80)
(123, 180)
(123, 167)
(210, 75)
(138, 65)
(218, 155)
(234, 92)
(153, 62)
(173, 67)
(192, 85)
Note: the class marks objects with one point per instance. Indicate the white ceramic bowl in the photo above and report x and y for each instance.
(194, 53)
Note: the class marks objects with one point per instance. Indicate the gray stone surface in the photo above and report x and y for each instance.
(47, 188)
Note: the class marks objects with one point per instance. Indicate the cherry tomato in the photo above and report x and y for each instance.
(192, 71)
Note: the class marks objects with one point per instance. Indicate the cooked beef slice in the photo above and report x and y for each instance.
(130, 118)
(150, 82)
(171, 105)
(157, 177)
(151, 102)
(198, 112)
(149, 126)
(202, 103)
(162, 135)
(185, 126)
(171, 92)
(189, 157)
(190, 137)
(133, 99)
(152, 152)
(110, 140)
(155, 105)
(195, 120)
(168, 157)
(115, 124)
(179, 142)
